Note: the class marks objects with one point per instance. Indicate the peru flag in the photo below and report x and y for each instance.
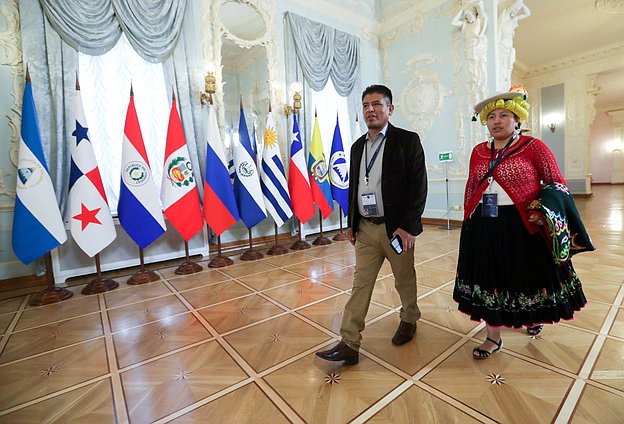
(179, 190)
(90, 220)
(298, 183)
(139, 208)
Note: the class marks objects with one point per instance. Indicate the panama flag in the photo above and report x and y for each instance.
(139, 208)
(90, 220)
(319, 177)
(247, 181)
(298, 182)
(179, 190)
(274, 185)
(339, 171)
(220, 210)
(37, 223)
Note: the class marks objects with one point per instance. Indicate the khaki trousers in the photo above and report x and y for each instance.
(371, 248)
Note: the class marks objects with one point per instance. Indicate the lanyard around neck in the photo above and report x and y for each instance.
(369, 165)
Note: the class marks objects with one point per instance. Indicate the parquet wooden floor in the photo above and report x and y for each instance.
(236, 345)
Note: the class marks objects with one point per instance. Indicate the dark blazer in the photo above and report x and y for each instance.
(403, 181)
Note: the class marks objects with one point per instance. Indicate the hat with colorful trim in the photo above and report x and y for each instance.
(514, 100)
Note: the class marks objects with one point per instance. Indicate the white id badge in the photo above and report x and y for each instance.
(369, 204)
(490, 204)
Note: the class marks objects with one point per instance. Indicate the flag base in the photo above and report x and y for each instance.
(51, 295)
(251, 255)
(300, 245)
(143, 277)
(340, 237)
(100, 285)
(188, 267)
(277, 250)
(321, 241)
(220, 261)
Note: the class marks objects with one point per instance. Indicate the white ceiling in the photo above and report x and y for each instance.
(559, 29)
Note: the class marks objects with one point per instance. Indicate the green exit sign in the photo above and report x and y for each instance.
(445, 157)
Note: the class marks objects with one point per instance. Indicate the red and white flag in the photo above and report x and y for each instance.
(90, 220)
(179, 189)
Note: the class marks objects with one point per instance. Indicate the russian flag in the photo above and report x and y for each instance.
(298, 182)
(220, 210)
(139, 208)
(319, 177)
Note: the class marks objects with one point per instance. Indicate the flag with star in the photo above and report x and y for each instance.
(90, 221)
(298, 182)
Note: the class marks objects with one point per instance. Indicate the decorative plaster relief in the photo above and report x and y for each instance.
(610, 6)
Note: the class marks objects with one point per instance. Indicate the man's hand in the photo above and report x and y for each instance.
(407, 238)
(351, 236)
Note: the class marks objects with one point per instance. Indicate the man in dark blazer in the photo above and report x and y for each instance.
(387, 193)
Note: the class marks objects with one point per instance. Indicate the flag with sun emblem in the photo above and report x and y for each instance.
(273, 177)
(179, 189)
(339, 171)
(319, 177)
(90, 220)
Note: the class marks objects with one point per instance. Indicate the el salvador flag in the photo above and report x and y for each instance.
(339, 171)
(37, 222)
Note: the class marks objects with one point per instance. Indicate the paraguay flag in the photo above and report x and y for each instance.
(37, 223)
(220, 210)
(139, 208)
(339, 171)
(90, 220)
(319, 177)
(274, 185)
(298, 182)
(179, 190)
(247, 181)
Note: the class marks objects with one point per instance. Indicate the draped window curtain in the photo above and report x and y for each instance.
(54, 32)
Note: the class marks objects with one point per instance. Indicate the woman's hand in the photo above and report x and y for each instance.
(535, 218)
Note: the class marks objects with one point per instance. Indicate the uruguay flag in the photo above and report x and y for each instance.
(90, 220)
(139, 208)
(37, 223)
(319, 177)
(220, 210)
(298, 182)
(339, 171)
(247, 181)
(274, 185)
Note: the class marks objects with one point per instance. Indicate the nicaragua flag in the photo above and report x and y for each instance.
(37, 223)
(247, 181)
(139, 208)
(274, 185)
(179, 190)
(319, 177)
(339, 171)
(90, 220)
(298, 183)
(220, 210)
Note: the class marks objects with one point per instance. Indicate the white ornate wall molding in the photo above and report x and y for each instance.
(348, 15)
(10, 41)
(610, 6)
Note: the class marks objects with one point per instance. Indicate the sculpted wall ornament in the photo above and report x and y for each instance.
(507, 24)
(610, 6)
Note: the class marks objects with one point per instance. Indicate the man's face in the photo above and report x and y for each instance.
(376, 111)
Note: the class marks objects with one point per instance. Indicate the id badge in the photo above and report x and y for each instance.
(490, 205)
(369, 204)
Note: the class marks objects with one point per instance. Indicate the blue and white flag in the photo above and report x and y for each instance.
(339, 171)
(37, 222)
(247, 188)
(274, 184)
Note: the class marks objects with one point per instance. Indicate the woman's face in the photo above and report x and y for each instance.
(501, 123)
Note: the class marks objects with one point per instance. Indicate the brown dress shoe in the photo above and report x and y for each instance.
(340, 352)
(404, 333)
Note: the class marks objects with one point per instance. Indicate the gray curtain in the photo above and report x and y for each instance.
(324, 52)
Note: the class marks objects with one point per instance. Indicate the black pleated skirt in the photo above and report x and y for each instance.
(507, 277)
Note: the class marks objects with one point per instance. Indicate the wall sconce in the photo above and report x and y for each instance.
(552, 120)
(210, 87)
(552, 126)
(296, 88)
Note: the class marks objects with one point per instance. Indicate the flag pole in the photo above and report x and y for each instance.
(300, 244)
(188, 266)
(276, 249)
(142, 276)
(219, 261)
(52, 294)
(251, 254)
(321, 240)
(99, 284)
(340, 236)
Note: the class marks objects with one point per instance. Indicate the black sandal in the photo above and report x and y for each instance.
(534, 330)
(478, 353)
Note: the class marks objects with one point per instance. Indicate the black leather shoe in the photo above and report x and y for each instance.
(340, 352)
(404, 333)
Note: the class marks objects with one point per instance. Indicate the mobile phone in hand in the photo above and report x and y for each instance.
(397, 244)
